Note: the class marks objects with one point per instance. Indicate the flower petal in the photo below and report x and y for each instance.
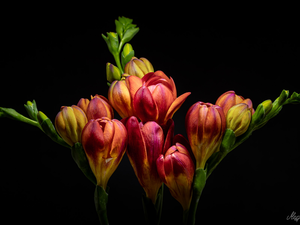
(119, 97)
(144, 105)
(136, 148)
(176, 105)
(154, 141)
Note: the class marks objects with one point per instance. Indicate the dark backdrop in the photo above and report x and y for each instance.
(56, 55)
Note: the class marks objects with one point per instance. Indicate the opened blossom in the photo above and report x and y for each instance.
(151, 98)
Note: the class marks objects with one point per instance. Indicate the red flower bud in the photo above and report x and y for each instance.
(157, 99)
(145, 143)
(176, 168)
(99, 107)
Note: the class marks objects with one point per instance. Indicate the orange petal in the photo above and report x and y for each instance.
(176, 105)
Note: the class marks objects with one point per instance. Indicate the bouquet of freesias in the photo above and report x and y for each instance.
(147, 100)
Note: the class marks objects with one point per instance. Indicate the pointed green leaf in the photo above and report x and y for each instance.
(129, 34)
(119, 28)
(79, 156)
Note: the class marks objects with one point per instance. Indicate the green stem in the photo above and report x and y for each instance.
(198, 186)
(13, 114)
(101, 199)
(153, 211)
(118, 62)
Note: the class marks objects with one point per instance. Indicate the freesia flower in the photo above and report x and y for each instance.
(69, 123)
(145, 143)
(205, 125)
(176, 169)
(152, 98)
(104, 141)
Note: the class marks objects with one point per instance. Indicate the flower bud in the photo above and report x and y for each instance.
(121, 94)
(69, 123)
(238, 118)
(83, 104)
(145, 144)
(138, 67)
(112, 42)
(31, 109)
(127, 54)
(104, 141)
(229, 99)
(283, 97)
(99, 107)
(205, 125)
(176, 169)
(267, 104)
(112, 73)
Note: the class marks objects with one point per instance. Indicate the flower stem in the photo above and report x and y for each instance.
(198, 186)
(153, 211)
(101, 199)
(118, 62)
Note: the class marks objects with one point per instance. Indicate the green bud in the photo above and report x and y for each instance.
(259, 114)
(267, 105)
(41, 117)
(31, 109)
(127, 54)
(283, 97)
(228, 140)
(294, 99)
(112, 73)
(112, 42)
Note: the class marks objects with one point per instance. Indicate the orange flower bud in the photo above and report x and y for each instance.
(104, 141)
(121, 93)
(99, 107)
(205, 125)
(83, 104)
(69, 123)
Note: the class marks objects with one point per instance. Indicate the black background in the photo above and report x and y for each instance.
(55, 54)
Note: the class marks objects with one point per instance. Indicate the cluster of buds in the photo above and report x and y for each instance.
(147, 100)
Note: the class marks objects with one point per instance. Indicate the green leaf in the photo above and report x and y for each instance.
(119, 28)
(79, 156)
(129, 34)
